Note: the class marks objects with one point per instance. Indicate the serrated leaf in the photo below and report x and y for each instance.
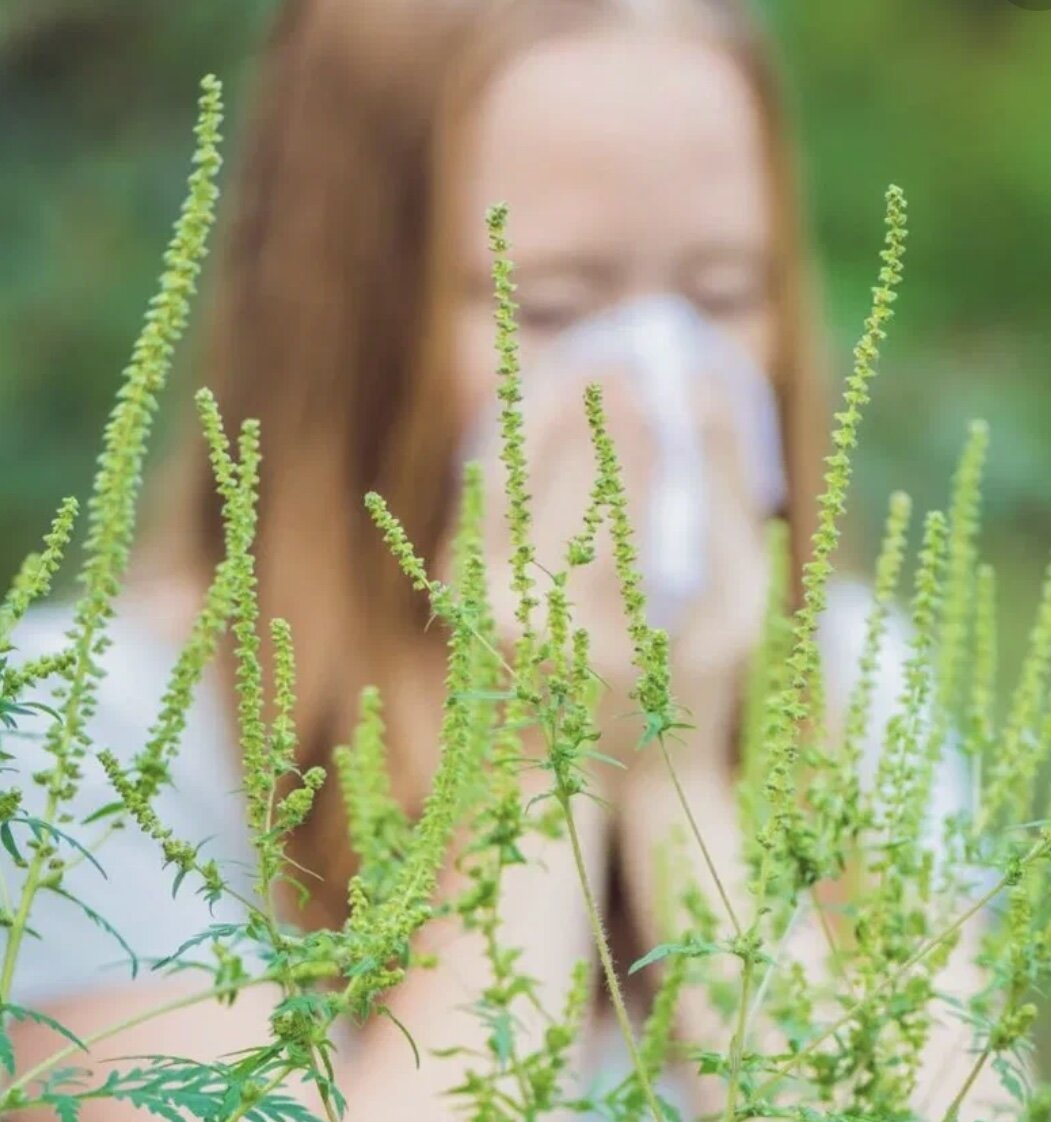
(99, 921)
(1009, 1078)
(21, 1013)
(40, 827)
(66, 1107)
(216, 931)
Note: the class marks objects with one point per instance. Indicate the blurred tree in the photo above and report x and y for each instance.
(951, 99)
(97, 100)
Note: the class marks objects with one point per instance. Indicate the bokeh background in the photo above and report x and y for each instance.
(949, 98)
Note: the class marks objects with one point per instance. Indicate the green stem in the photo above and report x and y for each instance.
(764, 983)
(272, 1085)
(492, 953)
(130, 1022)
(695, 830)
(738, 1041)
(326, 1102)
(737, 1044)
(976, 1070)
(29, 891)
(607, 961)
(835, 953)
(891, 979)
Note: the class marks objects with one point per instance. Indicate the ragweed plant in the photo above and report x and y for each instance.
(914, 893)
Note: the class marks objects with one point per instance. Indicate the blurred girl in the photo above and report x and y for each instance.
(641, 148)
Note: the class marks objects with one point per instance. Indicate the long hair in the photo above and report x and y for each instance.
(330, 327)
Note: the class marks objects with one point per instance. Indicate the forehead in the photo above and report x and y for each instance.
(630, 130)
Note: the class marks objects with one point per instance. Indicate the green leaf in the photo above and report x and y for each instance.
(695, 948)
(408, 1035)
(7, 839)
(66, 1107)
(1009, 1078)
(103, 812)
(40, 827)
(213, 933)
(7, 1052)
(100, 921)
(710, 1063)
(663, 950)
(20, 1013)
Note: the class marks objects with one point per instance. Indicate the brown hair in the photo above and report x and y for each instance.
(329, 329)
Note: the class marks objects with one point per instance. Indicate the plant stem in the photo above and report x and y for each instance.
(29, 891)
(747, 964)
(835, 953)
(492, 952)
(607, 961)
(130, 1022)
(326, 1102)
(724, 896)
(921, 952)
(737, 1043)
(954, 1106)
(272, 1085)
(760, 993)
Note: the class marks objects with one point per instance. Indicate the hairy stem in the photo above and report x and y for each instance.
(607, 962)
(695, 830)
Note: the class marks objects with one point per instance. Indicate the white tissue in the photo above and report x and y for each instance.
(667, 347)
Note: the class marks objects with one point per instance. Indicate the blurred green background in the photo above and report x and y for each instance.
(949, 98)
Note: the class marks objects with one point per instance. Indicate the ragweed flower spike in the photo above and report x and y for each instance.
(888, 573)
(377, 827)
(238, 518)
(651, 655)
(33, 581)
(112, 506)
(111, 509)
(791, 710)
(511, 426)
(906, 771)
(980, 723)
(964, 512)
(1021, 748)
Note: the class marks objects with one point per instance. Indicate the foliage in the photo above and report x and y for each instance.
(848, 1045)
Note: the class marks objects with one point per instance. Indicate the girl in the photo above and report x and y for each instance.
(641, 148)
